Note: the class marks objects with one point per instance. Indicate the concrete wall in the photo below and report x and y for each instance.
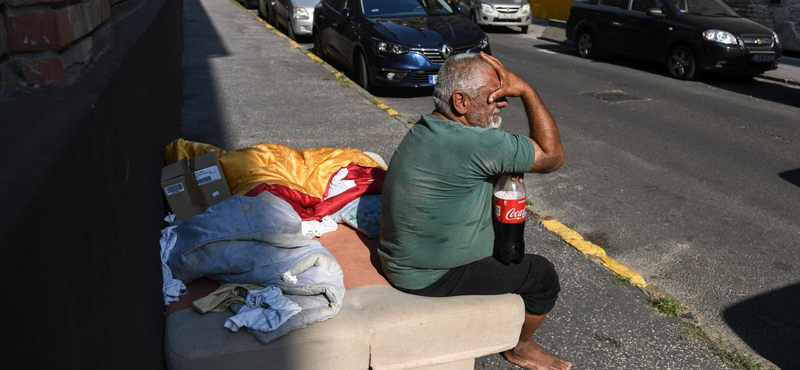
(767, 12)
(82, 206)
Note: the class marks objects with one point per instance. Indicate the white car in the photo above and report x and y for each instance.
(497, 12)
(296, 16)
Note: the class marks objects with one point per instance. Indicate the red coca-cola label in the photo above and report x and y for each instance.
(509, 211)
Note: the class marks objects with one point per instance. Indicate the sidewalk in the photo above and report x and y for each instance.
(245, 84)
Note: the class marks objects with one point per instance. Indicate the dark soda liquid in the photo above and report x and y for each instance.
(509, 242)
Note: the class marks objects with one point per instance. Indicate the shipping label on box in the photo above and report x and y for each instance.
(189, 195)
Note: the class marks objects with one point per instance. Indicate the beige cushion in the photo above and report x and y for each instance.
(195, 341)
(410, 331)
(378, 326)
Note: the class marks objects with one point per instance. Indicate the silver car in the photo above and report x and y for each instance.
(297, 16)
(497, 12)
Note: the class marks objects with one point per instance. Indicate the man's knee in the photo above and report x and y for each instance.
(544, 272)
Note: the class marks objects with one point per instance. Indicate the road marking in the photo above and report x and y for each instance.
(546, 51)
(590, 249)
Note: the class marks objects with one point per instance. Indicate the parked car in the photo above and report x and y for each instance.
(266, 9)
(296, 16)
(497, 12)
(687, 35)
(394, 42)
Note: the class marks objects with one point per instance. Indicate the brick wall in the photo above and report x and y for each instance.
(770, 13)
(53, 41)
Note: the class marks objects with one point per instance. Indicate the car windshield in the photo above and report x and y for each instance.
(711, 8)
(404, 8)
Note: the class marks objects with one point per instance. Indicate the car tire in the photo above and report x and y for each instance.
(318, 49)
(587, 44)
(523, 29)
(362, 71)
(473, 17)
(681, 63)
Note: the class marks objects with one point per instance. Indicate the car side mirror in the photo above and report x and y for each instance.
(655, 12)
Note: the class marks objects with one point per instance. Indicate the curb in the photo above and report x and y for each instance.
(555, 31)
(779, 79)
(340, 77)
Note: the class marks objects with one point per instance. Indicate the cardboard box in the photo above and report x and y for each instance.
(190, 195)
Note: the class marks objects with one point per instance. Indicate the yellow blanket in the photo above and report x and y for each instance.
(307, 171)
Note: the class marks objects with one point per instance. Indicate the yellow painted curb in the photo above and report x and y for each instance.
(314, 57)
(576, 240)
(295, 44)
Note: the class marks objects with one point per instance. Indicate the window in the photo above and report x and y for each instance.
(643, 5)
(335, 4)
(622, 4)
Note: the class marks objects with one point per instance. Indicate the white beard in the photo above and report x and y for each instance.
(492, 122)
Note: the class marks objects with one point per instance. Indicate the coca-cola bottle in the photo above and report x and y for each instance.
(508, 206)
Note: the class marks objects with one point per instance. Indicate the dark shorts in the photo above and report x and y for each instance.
(535, 279)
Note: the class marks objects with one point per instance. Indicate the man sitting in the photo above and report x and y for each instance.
(436, 226)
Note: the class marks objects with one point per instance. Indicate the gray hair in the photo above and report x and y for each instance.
(459, 72)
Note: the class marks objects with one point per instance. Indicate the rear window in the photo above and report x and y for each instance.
(622, 4)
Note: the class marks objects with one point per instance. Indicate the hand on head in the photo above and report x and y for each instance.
(511, 85)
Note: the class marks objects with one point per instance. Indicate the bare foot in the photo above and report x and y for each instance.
(533, 357)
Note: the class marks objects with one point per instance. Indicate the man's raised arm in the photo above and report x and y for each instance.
(549, 154)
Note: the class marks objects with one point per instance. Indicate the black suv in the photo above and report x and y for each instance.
(687, 35)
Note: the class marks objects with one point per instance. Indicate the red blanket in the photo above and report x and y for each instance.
(369, 180)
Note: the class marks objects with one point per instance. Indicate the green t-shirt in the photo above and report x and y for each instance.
(436, 199)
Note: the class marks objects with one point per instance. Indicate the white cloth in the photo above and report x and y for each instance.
(289, 278)
(338, 185)
(318, 228)
(264, 310)
(172, 288)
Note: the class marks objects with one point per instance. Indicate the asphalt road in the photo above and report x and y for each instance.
(693, 184)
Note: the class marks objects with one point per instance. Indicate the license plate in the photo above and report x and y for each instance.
(432, 79)
(762, 57)
(507, 16)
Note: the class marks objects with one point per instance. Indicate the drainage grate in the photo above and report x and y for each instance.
(614, 96)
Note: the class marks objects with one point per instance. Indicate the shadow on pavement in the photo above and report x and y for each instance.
(792, 176)
(379, 91)
(501, 29)
(200, 111)
(744, 85)
(770, 323)
(762, 90)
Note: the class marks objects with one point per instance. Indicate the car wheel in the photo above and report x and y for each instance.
(587, 45)
(524, 29)
(318, 45)
(362, 71)
(474, 17)
(682, 63)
